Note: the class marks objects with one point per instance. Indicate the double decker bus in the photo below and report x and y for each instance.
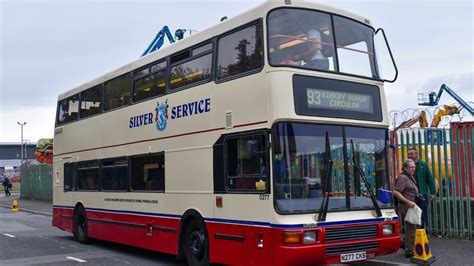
(262, 140)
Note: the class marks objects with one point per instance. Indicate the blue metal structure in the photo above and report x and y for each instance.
(159, 39)
(434, 99)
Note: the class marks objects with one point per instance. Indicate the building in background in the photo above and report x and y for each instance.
(10, 157)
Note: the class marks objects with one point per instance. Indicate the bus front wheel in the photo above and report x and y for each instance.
(80, 226)
(196, 244)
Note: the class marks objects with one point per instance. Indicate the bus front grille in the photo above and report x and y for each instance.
(349, 248)
(350, 233)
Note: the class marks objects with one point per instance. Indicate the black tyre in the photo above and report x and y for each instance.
(196, 244)
(80, 226)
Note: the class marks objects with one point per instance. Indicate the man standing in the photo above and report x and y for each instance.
(426, 183)
(7, 185)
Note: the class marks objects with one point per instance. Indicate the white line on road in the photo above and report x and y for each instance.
(76, 259)
(9, 235)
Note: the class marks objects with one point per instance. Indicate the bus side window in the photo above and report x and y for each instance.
(193, 71)
(115, 174)
(148, 172)
(88, 175)
(246, 161)
(150, 86)
(69, 176)
(117, 92)
(68, 110)
(91, 101)
(240, 51)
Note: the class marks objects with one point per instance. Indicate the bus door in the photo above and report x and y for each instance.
(64, 181)
(243, 205)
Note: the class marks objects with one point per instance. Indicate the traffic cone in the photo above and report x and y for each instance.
(423, 254)
(15, 207)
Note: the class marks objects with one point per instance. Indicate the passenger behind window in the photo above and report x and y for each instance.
(154, 181)
(125, 100)
(314, 57)
(283, 57)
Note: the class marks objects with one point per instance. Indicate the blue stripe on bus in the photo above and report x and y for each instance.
(63, 206)
(240, 222)
(218, 220)
(134, 212)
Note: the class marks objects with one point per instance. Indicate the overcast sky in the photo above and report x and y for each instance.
(48, 47)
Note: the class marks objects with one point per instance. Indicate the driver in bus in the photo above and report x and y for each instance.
(313, 57)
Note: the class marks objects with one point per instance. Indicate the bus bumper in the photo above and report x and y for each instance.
(317, 254)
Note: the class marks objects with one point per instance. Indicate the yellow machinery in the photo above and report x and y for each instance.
(44, 151)
(445, 110)
(421, 119)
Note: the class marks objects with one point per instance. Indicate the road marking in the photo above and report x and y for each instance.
(49, 259)
(76, 259)
(9, 235)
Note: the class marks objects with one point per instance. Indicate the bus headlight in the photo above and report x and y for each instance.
(387, 229)
(310, 237)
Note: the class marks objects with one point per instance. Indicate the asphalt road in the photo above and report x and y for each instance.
(29, 239)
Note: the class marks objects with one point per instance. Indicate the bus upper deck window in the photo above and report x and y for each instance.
(91, 101)
(240, 51)
(301, 38)
(159, 66)
(180, 57)
(355, 47)
(321, 41)
(68, 110)
(202, 49)
(117, 92)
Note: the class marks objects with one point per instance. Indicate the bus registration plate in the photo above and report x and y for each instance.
(353, 256)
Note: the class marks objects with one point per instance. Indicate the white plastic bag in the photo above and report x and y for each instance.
(414, 215)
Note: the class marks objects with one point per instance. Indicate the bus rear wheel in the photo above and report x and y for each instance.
(80, 226)
(196, 244)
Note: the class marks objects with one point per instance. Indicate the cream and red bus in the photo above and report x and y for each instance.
(262, 140)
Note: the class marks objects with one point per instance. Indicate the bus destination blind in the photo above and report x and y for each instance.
(327, 99)
(323, 97)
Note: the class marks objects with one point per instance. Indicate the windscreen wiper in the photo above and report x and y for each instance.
(329, 162)
(361, 174)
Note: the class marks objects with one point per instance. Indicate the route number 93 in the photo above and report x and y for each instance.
(314, 97)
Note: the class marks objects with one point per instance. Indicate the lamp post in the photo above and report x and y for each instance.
(22, 154)
(25, 150)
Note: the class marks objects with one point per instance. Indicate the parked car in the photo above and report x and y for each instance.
(15, 178)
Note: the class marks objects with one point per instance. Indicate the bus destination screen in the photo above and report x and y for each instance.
(339, 100)
(323, 97)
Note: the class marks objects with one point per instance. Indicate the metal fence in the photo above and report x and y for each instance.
(36, 182)
(449, 154)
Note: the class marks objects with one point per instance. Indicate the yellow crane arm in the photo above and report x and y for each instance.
(421, 118)
(445, 110)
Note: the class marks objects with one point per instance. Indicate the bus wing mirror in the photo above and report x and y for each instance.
(384, 46)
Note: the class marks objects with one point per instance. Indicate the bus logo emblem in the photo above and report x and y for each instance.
(161, 117)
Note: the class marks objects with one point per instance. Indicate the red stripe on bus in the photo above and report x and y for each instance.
(167, 137)
(227, 242)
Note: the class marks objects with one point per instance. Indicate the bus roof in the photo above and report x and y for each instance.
(207, 34)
